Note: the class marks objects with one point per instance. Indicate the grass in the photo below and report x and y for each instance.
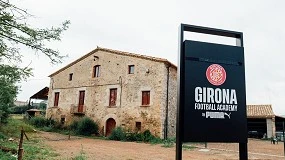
(17, 116)
(33, 149)
(14, 126)
(168, 143)
(81, 155)
(188, 147)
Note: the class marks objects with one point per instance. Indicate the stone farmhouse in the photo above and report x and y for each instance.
(116, 88)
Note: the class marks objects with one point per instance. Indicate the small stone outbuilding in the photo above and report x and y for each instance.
(33, 113)
(261, 118)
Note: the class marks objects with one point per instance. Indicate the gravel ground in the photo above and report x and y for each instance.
(97, 149)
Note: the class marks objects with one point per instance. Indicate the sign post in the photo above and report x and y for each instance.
(211, 91)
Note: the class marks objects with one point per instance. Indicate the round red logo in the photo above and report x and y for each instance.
(216, 74)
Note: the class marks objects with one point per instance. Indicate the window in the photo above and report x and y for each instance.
(145, 98)
(131, 69)
(70, 76)
(81, 97)
(96, 71)
(81, 101)
(62, 120)
(138, 126)
(113, 97)
(56, 98)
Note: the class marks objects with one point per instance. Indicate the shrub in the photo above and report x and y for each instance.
(38, 122)
(73, 125)
(147, 136)
(85, 126)
(19, 109)
(50, 122)
(134, 137)
(118, 134)
(41, 122)
(2, 136)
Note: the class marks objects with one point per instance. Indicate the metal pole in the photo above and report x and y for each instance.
(283, 138)
(243, 151)
(180, 95)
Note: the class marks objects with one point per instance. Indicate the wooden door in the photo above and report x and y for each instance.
(81, 101)
(110, 125)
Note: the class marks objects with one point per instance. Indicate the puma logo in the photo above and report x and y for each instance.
(229, 115)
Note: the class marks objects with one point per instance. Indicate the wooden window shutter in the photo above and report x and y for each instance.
(81, 101)
(145, 98)
(81, 97)
(56, 98)
(113, 97)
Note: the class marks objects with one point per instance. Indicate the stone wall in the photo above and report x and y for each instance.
(270, 125)
(172, 102)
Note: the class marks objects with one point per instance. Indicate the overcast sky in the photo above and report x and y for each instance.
(150, 27)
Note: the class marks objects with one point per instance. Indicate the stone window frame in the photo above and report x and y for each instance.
(107, 96)
(139, 98)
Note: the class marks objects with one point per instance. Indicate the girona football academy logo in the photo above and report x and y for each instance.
(216, 74)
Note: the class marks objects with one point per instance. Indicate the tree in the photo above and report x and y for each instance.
(14, 32)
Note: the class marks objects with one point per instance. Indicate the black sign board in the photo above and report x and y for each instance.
(214, 99)
(211, 91)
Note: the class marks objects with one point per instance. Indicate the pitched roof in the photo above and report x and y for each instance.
(260, 111)
(42, 94)
(156, 59)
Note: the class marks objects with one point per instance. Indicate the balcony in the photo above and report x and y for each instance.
(79, 109)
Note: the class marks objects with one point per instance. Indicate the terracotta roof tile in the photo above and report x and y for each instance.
(260, 111)
(115, 52)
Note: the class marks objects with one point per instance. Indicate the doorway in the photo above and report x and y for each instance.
(110, 125)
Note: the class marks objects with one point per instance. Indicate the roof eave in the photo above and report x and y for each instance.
(165, 61)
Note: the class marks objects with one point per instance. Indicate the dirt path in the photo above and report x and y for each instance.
(97, 149)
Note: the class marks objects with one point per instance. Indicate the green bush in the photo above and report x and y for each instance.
(38, 122)
(50, 122)
(41, 122)
(118, 134)
(147, 136)
(73, 125)
(134, 137)
(85, 126)
(2, 136)
(19, 109)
